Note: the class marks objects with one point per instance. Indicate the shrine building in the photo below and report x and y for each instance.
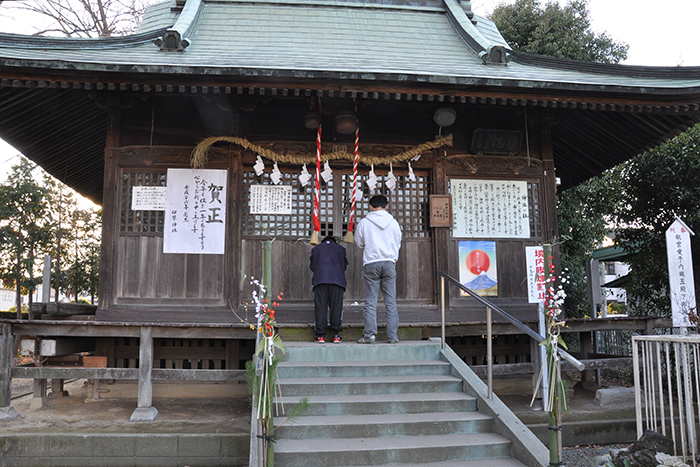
(469, 140)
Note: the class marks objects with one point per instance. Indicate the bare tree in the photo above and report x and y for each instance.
(83, 18)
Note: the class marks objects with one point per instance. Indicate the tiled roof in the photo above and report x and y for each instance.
(405, 41)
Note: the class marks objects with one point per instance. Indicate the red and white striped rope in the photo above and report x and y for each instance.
(351, 222)
(317, 190)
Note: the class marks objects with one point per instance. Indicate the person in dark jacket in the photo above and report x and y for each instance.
(328, 262)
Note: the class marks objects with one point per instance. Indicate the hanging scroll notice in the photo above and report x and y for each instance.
(148, 198)
(195, 213)
(270, 199)
(489, 208)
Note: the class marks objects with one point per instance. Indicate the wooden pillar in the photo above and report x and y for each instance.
(145, 412)
(232, 354)
(234, 238)
(440, 235)
(550, 230)
(7, 412)
(5, 364)
(57, 389)
(110, 219)
(106, 347)
(39, 395)
(588, 381)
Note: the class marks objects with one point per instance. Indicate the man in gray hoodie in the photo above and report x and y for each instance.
(379, 235)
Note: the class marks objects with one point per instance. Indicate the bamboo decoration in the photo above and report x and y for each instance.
(317, 190)
(349, 235)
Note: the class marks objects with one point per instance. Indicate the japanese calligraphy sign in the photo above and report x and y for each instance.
(489, 208)
(534, 259)
(270, 199)
(477, 267)
(680, 272)
(148, 198)
(195, 212)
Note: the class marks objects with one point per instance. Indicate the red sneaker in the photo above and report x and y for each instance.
(337, 339)
(320, 339)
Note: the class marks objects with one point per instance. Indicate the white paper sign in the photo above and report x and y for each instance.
(680, 273)
(270, 199)
(195, 214)
(148, 198)
(489, 209)
(534, 258)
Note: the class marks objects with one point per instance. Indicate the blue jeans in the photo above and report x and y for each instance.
(380, 274)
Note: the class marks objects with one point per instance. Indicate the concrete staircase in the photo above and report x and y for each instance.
(384, 404)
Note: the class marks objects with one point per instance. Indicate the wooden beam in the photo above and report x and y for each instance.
(95, 329)
(158, 374)
(507, 369)
(601, 363)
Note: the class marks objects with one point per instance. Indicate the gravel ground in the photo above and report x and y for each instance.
(588, 456)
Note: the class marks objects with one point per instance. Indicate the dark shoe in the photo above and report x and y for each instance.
(320, 339)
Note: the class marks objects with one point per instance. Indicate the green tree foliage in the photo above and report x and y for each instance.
(654, 188)
(583, 213)
(565, 32)
(23, 232)
(556, 31)
(82, 274)
(44, 218)
(75, 249)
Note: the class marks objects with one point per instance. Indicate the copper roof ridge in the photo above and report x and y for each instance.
(77, 43)
(617, 69)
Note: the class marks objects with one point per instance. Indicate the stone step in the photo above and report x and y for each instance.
(354, 352)
(288, 369)
(378, 404)
(369, 385)
(375, 426)
(495, 462)
(392, 450)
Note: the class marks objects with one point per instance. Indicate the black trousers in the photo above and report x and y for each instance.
(328, 297)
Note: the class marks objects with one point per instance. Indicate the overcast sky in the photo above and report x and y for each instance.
(659, 33)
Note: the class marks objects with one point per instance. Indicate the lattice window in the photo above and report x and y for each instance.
(408, 203)
(297, 224)
(533, 205)
(140, 222)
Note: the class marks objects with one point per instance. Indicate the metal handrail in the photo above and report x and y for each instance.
(512, 320)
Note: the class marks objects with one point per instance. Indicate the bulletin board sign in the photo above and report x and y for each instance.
(148, 198)
(270, 199)
(490, 209)
(440, 211)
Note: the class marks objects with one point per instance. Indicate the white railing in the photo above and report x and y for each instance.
(667, 389)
